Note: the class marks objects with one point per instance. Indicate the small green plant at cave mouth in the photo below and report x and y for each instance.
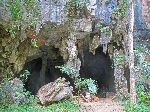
(80, 83)
(90, 84)
(70, 71)
(25, 75)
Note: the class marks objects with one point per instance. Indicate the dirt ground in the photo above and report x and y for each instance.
(101, 105)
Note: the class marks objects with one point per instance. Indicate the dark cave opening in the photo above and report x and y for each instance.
(50, 73)
(97, 67)
(34, 68)
(34, 80)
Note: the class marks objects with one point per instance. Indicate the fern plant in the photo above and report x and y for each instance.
(25, 75)
(80, 83)
(70, 71)
(90, 84)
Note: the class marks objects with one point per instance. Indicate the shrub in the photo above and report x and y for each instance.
(90, 84)
(70, 71)
(12, 91)
(80, 83)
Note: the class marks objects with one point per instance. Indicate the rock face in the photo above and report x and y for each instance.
(146, 11)
(120, 80)
(13, 53)
(55, 91)
(142, 20)
(104, 9)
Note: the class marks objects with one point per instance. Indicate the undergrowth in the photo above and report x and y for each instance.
(142, 87)
(62, 106)
(30, 102)
(139, 107)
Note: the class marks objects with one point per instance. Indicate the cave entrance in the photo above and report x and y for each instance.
(45, 67)
(99, 68)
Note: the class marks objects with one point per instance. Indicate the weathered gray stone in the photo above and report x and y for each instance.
(120, 80)
(55, 91)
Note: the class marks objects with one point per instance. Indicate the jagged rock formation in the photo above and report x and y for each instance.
(55, 91)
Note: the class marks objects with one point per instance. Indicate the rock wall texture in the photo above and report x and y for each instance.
(142, 14)
(146, 11)
(13, 54)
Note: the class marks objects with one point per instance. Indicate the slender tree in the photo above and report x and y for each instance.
(131, 53)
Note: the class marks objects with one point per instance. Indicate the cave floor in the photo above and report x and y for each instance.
(103, 105)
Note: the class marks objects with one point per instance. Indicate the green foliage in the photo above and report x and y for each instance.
(140, 52)
(80, 3)
(8, 95)
(24, 76)
(70, 71)
(106, 31)
(145, 98)
(80, 83)
(143, 92)
(19, 95)
(62, 106)
(15, 9)
(23, 14)
(121, 10)
(87, 83)
(19, 108)
(140, 107)
(147, 9)
(4, 100)
(30, 104)
(30, 99)
(142, 89)
(34, 43)
(118, 59)
(142, 66)
(123, 7)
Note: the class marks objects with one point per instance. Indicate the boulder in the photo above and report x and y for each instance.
(55, 91)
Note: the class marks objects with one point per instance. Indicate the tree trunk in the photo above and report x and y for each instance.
(131, 53)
